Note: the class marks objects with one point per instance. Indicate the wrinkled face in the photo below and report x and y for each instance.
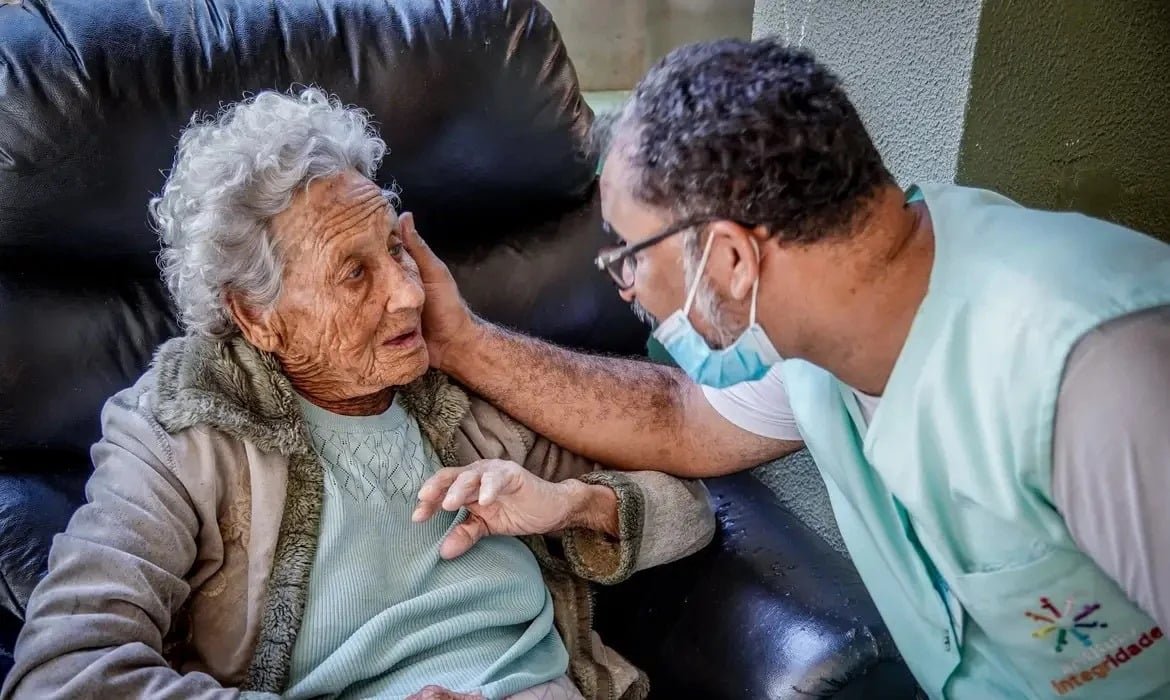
(347, 321)
(664, 271)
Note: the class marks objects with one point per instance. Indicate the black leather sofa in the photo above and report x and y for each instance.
(479, 103)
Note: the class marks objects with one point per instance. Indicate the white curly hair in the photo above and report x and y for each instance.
(232, 173)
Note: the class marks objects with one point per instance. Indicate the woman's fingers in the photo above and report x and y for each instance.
(433, 491)
(434, 692)
(423, 511)
(452, 488)
(489, 487)
(464, 491)
(463, 537)
(435, 487)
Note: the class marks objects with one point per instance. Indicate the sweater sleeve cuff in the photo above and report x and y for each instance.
(597, 557)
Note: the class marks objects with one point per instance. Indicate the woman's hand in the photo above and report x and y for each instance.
(504, 498)
(434, 692)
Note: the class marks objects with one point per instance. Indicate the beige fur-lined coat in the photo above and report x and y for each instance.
(185, 574)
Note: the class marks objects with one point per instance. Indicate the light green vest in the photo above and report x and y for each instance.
(945, 501)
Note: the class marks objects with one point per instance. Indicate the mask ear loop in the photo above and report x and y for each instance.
(698, 278)
(755, 285)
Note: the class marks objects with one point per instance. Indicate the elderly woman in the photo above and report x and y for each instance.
(288, 502)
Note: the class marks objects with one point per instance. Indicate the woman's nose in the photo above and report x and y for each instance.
(405, 292)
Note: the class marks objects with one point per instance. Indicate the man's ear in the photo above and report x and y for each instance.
(260, 328)
(745, 259)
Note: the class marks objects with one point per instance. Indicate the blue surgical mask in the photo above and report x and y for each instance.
(745, 360)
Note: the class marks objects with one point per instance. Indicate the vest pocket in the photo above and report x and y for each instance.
(1065, 627)
(993, 584)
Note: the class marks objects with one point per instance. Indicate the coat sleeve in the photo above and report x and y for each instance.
(660, 518)
(96, 623)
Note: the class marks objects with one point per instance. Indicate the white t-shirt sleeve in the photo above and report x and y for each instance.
(759, 407)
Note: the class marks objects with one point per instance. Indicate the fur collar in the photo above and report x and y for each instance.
(233, 387)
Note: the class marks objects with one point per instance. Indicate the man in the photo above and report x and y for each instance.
(985, 388)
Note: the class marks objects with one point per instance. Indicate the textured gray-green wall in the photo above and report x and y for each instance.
(1069, 108)
(906, 66)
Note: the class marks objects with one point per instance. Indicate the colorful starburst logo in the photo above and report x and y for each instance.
(1063, 623)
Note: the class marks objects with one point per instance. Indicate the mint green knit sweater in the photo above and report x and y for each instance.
(385, 615)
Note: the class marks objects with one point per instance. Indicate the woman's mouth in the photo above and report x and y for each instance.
(405, 340)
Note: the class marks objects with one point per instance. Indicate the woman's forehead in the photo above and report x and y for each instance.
(331, 210)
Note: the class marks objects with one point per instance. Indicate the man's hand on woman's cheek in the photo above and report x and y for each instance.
(504, 498)
(447, 322)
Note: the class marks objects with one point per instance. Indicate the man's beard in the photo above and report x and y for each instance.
(643, 315)
(707, 306)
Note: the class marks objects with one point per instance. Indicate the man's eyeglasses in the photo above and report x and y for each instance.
(621, 261)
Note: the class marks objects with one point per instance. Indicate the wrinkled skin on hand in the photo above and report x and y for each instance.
(502, 498)
(347, 324)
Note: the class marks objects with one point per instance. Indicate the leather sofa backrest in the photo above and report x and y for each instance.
(477, 100)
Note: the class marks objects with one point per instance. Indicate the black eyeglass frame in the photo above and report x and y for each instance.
(611, 261)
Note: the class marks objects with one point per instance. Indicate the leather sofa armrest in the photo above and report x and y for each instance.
(35, 505)
(9, 629)
(768, 610)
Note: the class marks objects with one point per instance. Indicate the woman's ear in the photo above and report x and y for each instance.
(260, 328)
(745, 257)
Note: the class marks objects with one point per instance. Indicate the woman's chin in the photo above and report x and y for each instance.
(401, 368)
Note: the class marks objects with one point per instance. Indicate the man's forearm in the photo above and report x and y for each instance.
(621, 412)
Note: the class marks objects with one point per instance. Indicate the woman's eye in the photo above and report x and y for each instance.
(356, 273)
(396, 249)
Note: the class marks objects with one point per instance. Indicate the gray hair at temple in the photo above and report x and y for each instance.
(233, 173)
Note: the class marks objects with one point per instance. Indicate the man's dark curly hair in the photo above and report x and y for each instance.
(750, 131)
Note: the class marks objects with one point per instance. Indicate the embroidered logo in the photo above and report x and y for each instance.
(1063, 623)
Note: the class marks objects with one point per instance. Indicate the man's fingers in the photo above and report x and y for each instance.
(409, 232)
(428, 263)
(464, 491)
(463, 537)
